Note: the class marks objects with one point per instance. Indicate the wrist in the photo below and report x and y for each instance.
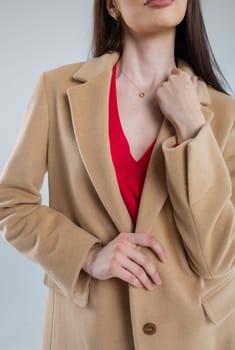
(184, 134)
(186, 129)
(90, 257)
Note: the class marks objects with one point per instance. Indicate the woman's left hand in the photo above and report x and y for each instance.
(177, 98)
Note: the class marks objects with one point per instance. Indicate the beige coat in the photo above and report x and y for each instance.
(187, 203)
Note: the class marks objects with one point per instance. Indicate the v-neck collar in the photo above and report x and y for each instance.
(145, 156)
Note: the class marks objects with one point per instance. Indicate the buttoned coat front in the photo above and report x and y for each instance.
(187, 203)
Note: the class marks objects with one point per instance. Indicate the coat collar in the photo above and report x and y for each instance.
(97, 65)
(88, 102)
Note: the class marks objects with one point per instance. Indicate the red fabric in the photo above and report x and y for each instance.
(129, 172)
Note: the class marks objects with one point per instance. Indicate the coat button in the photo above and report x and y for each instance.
(149, 328)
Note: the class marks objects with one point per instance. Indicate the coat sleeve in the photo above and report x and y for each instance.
(200, 178)
(42, 234)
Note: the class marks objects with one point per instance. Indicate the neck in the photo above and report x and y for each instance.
(148, 60)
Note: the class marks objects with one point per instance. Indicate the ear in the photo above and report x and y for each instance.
(194, 81)
(109, 5)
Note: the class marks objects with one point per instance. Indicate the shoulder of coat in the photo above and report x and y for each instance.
(60, 78)
(65, 69)
(222, 104)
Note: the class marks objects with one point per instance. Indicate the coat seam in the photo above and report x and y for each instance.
(49, 128)
(48, 119)
(52, 335)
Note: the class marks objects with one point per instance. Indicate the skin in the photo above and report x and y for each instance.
(148, 59)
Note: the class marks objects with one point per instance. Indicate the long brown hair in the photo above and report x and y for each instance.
(191, 42)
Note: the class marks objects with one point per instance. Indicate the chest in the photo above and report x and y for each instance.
(140, 118)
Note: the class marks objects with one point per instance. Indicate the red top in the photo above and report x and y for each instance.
(129, 172)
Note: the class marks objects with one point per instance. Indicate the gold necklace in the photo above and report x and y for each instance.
(141, 92)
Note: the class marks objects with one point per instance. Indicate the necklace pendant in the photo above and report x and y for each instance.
(141, 94)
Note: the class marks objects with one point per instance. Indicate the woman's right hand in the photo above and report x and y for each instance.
(120, 258)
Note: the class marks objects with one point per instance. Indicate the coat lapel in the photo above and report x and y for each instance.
(89, 110)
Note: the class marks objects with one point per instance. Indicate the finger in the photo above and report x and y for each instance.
(148, 240)
(138, 272)
(145, 263)
(128, 277)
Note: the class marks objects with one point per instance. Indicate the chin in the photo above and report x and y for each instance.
(154, 23)
(153, 28)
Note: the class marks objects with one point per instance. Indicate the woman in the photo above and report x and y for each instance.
(141, 262)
